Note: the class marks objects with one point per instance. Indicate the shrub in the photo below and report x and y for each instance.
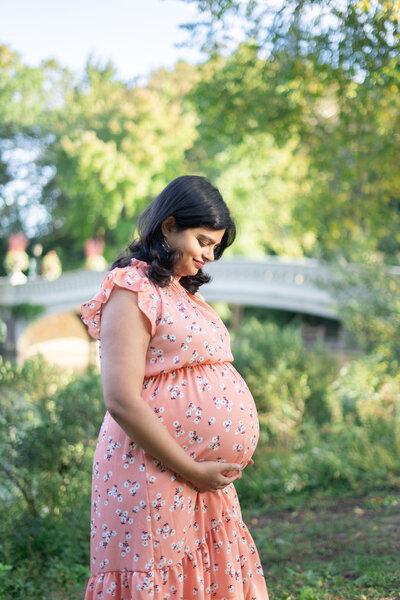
(288, 382)
(365, 389)
(368, 299)
(358, 448)
(48, 428)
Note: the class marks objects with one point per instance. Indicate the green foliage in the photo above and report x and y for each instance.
(261, 184)
(23, 96)
(49, 421)
(331, 547)
(324, 76)
(287, 381)
(3, 329)
(368, 299)
(356, 448)
(366, 391)
(298, 127)
(26, 310)
(361, 36)
(48, 426)
(322, 428)
(296, 124)
(27, 98)
(115, 147)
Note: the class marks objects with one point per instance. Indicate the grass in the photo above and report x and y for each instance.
(322, 547)
(331, 548)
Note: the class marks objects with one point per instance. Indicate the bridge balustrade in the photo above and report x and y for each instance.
(270, 282)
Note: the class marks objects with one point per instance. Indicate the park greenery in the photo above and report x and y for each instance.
(326, 431)
(294, 114)
(297, 123)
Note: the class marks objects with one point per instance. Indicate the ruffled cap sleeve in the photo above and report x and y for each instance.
(133, 278)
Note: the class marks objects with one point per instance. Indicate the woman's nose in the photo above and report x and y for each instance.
(209, 253)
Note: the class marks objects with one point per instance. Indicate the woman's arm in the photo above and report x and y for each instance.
(124, 341)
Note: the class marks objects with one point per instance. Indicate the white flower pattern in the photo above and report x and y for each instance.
(153, 536)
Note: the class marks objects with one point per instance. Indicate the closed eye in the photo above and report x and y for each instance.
(204, 243)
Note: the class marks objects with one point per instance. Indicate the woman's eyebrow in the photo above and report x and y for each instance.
(209, 239)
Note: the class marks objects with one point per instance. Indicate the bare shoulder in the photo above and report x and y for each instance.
(124, 340)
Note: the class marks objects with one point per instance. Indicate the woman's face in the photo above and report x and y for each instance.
(196, 247)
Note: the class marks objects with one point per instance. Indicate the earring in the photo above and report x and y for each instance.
(165, 246)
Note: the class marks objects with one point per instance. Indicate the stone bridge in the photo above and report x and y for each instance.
(284, 284)
(295, 285)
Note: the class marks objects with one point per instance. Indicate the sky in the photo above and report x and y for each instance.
(138, 36)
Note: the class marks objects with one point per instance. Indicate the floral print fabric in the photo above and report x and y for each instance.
(153, 536)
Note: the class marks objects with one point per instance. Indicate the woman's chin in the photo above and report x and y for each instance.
(192, 272)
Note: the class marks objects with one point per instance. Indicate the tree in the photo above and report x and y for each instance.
(115, 147)
(27, 95)
(261, 184)
(326, 73)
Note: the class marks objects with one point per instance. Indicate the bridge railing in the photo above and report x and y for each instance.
(275, 282)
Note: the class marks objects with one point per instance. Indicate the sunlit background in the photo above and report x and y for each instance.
(293, 110)
(137, 37)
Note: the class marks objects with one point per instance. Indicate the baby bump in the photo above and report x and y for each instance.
(208, 409)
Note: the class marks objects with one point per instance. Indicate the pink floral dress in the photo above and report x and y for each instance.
(153, 536)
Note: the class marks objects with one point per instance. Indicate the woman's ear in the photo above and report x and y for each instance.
(168, 226)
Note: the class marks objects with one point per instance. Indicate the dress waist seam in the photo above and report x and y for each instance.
(204, 364)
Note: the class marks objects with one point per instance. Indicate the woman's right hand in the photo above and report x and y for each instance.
(211, 476)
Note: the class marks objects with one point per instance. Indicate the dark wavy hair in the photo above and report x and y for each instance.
(193, 202)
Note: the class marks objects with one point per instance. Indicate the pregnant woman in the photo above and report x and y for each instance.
(181, 424)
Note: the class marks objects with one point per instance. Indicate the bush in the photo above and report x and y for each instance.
(48, 429)
(366, 389)
(368, 299)
(288, 382)
(356, 449)
(321, 429)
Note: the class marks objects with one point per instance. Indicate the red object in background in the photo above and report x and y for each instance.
(17, 241)
(94, 247)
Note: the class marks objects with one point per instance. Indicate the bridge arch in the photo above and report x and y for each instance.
(272, 282)
(61, 338)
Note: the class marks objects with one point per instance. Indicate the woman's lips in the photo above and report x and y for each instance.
(198, 263)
